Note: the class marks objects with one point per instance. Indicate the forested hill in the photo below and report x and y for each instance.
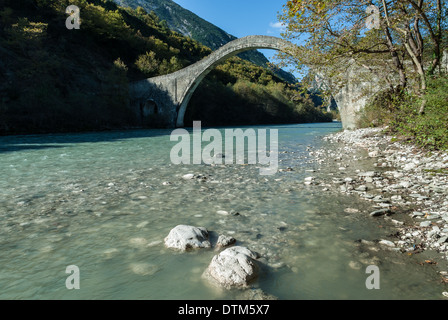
(191, 25)
(53, 79)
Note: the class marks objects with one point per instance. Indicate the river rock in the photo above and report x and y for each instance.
(378, 213)
(443, 239)
(425, 224)
(387, 243)
(255, 294)
(188, 176)
(185, 237)
(234, 267)
(361, 188)
(368, 174)
(143, 269)
(224, 241)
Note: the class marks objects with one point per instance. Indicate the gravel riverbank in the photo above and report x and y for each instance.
(407, 186)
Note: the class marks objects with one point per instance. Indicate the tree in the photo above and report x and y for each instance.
(148, 63)
(334, 34)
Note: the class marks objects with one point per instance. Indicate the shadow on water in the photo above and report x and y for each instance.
(60, 140)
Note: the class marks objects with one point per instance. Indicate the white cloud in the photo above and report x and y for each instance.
(277, 25)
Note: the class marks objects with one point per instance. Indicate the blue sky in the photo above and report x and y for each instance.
(240, 17)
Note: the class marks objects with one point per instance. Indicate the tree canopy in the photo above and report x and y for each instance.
(399, 42)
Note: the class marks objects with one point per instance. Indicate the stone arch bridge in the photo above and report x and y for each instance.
(165, 98)
(168, 96)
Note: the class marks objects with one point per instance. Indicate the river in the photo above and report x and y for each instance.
(105, 201)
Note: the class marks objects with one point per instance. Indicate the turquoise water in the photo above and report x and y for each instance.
(102, 202)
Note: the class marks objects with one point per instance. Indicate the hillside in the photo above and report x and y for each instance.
(191, 25)
(56, 80)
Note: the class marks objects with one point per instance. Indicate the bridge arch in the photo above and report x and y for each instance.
(202, 68)
(172, 92)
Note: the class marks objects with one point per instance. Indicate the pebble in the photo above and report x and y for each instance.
(442, 239)
(387, 243)
(188, 176)
(408, 182)
(351, 210)
(355, 265)
(109, 253)
(138, 242)
(225, 241)
(142, 224)
(143, 269)
(378, 213)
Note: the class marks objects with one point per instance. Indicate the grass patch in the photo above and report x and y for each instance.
(443, 171)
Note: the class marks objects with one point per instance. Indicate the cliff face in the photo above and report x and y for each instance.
(360, 85)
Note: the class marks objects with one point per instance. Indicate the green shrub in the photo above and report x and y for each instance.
(430, 129)
(381, 109)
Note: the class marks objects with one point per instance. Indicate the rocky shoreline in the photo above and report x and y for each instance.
(407, 186)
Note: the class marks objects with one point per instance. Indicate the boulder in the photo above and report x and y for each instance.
(185, 237)
(234, 267)
(224, 241)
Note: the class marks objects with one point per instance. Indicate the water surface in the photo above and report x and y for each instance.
(99, 201)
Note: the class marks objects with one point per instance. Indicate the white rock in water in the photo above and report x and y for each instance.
(405, 184)
(222, 212)
(187, 237)
(387, 243)
(233, 267)
(143, 269)
(142, 224)
(225, 241)
(138, 242)
(188, 176)
(110, 253)
(355, 265)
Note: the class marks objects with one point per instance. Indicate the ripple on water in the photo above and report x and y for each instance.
(103, 206)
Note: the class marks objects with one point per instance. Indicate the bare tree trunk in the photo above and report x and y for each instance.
(395, 58)
(435, 36)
